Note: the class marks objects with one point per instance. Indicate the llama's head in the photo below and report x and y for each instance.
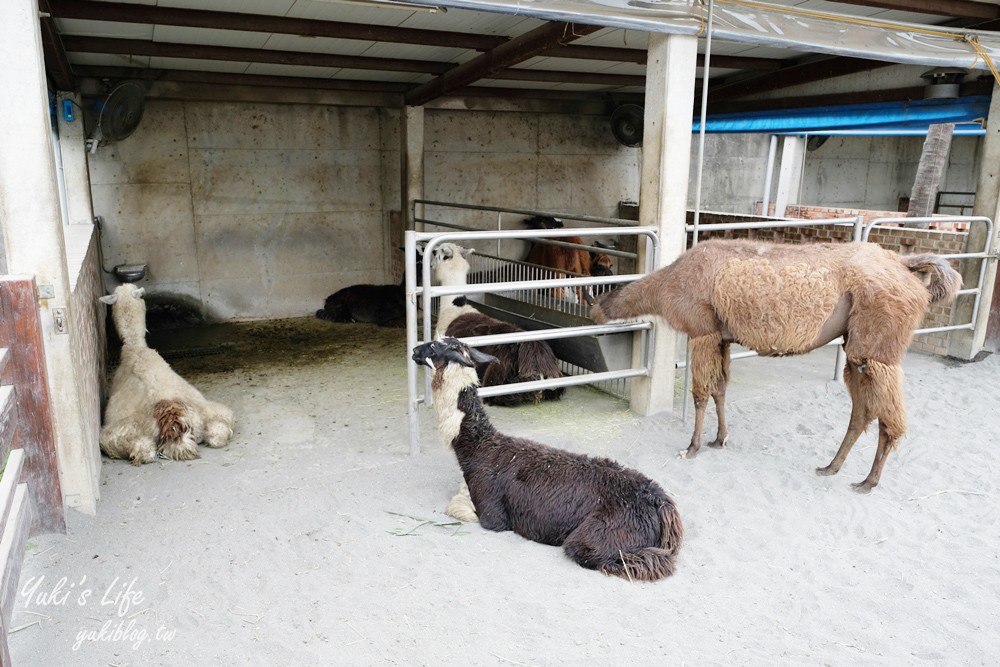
(444, 351)
(128, 310)
(450, 263)
(454, 366)
(543, 222)
(452, 361)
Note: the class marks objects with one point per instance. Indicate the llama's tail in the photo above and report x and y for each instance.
(176, 433)
(942, 281)
(652, 563)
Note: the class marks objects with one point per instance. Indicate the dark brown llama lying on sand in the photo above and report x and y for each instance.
(606, 517)
(789, 299)
(384, 305)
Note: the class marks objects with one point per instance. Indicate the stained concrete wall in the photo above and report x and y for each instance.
(252, 210)
(261, 210)
(845, 172)
(874, 172)
(735, 167)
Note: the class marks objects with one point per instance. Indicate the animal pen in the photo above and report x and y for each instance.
(535, 297)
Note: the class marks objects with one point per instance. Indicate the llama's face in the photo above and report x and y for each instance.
(439, 353)
(448, 253)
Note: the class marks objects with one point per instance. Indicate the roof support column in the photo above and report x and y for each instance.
(967, 344)
(793, 153)
(412, 156)
(663, 195)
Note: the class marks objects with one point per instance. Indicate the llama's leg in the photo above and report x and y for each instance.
(129, 440)
(719, 396)
(706, 378)
(489, 506)
(461, 507)
(184, 448)
(886, 402)
(582, 544)
(860, 418)
(218, 424)
(885, 445)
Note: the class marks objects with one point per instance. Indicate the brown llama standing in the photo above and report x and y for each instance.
(779, 299)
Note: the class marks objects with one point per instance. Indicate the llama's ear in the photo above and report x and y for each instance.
(481, 357)
(109, 299)
(139, 292)
(466, 252)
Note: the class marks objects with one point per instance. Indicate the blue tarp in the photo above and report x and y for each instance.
(884, 118)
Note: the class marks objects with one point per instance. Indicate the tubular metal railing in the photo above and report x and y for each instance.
(535, 285)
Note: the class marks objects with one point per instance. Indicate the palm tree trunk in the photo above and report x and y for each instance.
(933, 161)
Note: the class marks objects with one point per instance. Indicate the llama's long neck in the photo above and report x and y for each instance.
(130, 321)
(448, 314)
(462, 420)
(452, 273)
(661, 293)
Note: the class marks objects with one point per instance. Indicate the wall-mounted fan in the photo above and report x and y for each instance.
(119, 113)
(626, 124)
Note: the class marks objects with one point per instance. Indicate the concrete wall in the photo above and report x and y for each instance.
(260, 210)
(735, 167)
(874, 172)
(253, 210)
(845, 172)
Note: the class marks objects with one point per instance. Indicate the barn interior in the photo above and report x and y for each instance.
(244, 160)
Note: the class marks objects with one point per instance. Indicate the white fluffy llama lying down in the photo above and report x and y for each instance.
(606, 517)
(152, 410)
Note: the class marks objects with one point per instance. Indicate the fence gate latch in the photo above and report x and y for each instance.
(59, 318)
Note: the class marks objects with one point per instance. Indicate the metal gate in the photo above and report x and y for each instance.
(418, 326)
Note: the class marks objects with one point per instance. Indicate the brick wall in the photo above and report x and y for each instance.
(89, 349)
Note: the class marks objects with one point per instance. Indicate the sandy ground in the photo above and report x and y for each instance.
(315, 539)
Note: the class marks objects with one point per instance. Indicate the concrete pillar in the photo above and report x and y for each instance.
(793, 152)
(663, 194)
(412, 155)
(33, 233)
(76, 174)
(967, 344)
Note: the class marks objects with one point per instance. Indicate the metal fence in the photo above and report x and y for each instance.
(516, 281)
(493, 276)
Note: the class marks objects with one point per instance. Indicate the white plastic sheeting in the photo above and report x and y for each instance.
(753, 22)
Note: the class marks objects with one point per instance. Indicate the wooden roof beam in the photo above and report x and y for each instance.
(197, 18)
(506, 55)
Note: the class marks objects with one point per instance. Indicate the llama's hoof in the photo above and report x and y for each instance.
(687, 453)
(180, 451)
(718, 444)
(461, 508)
(826, 471)
(139, 459)
(218, 436)
(863, 487)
